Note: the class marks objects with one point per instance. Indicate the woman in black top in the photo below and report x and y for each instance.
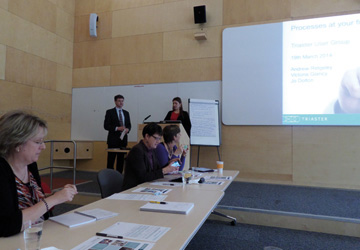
(178, 114)
(21, 196)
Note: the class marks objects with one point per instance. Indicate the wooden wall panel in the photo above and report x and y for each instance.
(270, 10)
(235, 12)
(64, 52)
(4, 4)
(53, 106)
(163, 17)
(247, 11)
(135, 49)
(63, 79)
(98, 162)
(303, 8)
(66, 5)
(182, 44)
(31, 70)
(171, 71)
(37, 37)
(28, 37)
(39, 12)
(258, 150)
(91, 77)
(83, 7)
(65, 25)
(2, 61)
(326, 156)
(180, 15)
(144, 20)
(14, 96)
(57, 130)
(111, 5)
(92, 54)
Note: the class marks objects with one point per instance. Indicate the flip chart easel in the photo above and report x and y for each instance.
(205, 124)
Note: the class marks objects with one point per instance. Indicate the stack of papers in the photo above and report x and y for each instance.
(82, 217)
(168, 207)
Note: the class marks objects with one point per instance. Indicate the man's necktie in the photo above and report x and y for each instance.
(121, 119)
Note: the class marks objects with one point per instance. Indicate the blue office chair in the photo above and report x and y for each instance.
(110, 182)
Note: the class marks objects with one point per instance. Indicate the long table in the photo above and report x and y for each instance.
(183, 227)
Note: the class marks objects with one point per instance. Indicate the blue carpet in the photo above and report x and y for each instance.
(318, 201)
(220, 235)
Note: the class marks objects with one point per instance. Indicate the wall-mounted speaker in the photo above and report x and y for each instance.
(200, 14)
(92, 24)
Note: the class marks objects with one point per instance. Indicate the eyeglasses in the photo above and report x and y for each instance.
(39, 142)
(157, 138)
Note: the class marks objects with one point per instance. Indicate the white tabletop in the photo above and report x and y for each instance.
(183, 227)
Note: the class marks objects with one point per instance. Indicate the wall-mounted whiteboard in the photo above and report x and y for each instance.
(90, 104)
(204, 116)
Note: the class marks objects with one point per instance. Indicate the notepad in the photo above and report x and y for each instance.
(169, 207)
(82, 217)
(97, 213)
(72, 219)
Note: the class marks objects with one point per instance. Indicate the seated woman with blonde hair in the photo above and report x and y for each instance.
(22, 198)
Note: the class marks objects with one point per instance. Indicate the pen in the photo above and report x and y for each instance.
(109, 235)
(158, 202)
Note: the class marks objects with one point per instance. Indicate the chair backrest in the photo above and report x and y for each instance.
(110, 182)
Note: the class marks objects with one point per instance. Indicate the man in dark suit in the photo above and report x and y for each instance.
(117, 122)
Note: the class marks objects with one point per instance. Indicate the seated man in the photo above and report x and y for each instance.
(141, 164)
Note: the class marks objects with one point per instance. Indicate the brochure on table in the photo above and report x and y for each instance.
(223, 178)
(105, 243)
(136, 231)
(156, 191)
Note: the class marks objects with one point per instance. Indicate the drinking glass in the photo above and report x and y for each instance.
(32, 234)
(186, 176)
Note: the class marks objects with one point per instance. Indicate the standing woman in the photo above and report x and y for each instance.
(178, 114)
(22, 198)
(167, 150)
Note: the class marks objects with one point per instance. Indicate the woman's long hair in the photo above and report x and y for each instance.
(178, 99)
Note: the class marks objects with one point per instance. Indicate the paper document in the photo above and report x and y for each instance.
(136, 231)
(97, 213)
(213, 182)
(104, 243)
(137, 197)
(156, 191)
(123, 134)
(223, 178)
(168, 207)
(166, 183)
(72, 219)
